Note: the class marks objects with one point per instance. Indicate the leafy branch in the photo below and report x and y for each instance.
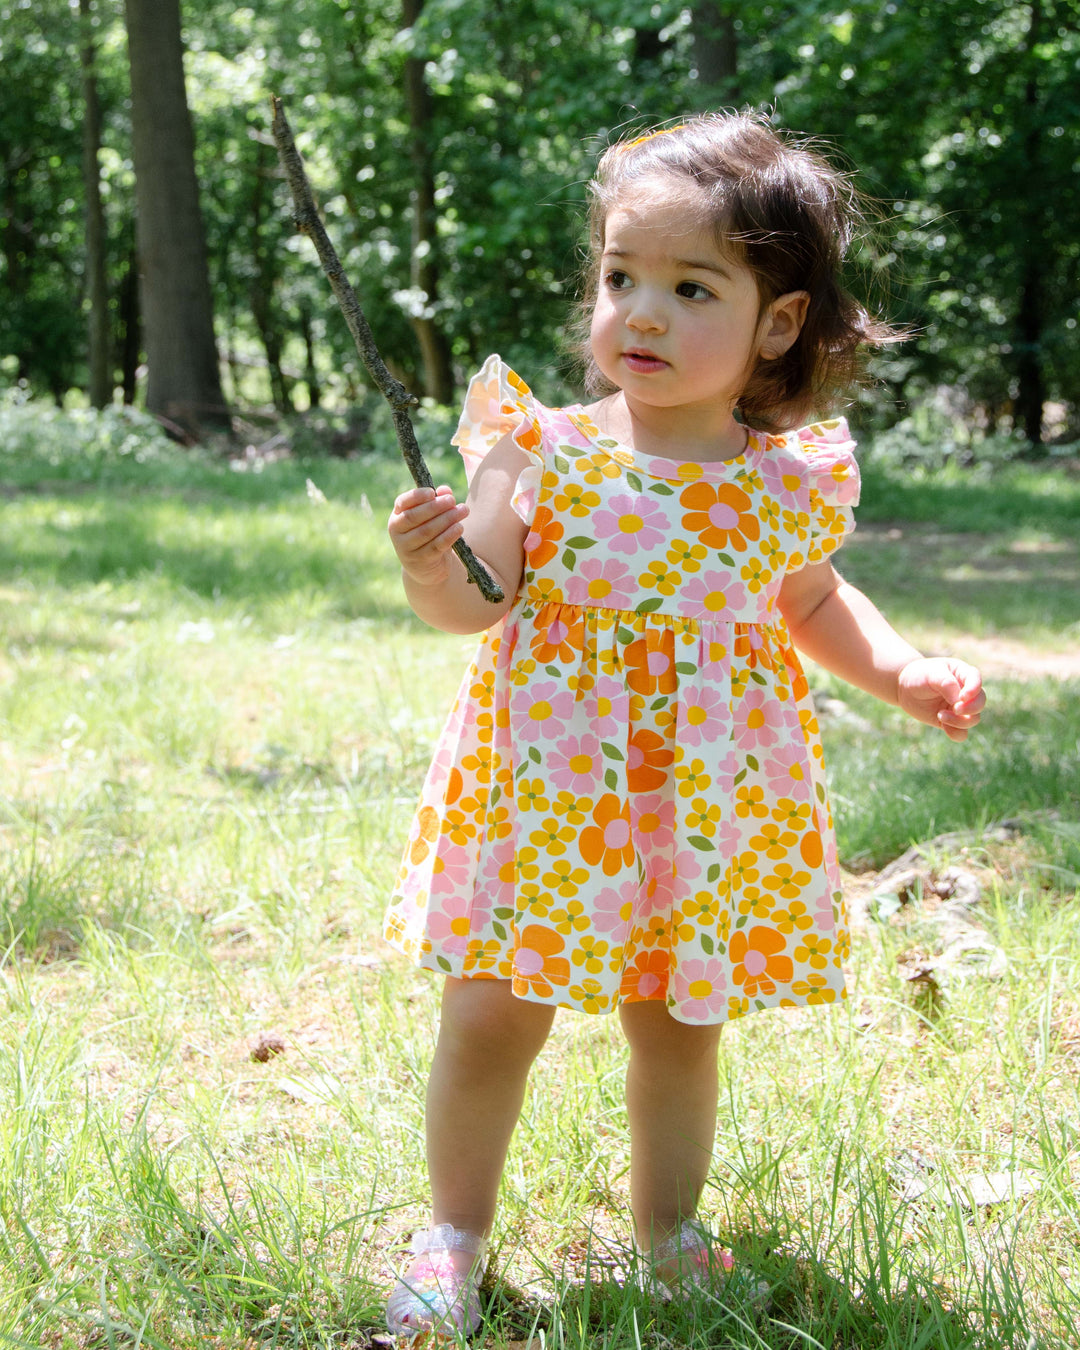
(309, 222)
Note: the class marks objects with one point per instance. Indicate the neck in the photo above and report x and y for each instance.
(689, 432)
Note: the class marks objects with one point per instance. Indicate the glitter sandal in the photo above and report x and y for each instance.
(688, 1259)
(438, 1296)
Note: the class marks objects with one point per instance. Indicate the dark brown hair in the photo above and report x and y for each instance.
(782, 210)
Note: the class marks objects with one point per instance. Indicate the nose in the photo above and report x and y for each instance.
(645, 314)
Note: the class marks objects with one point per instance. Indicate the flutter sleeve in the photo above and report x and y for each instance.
(499, 402)
(833, 480)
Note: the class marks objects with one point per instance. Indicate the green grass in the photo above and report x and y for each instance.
(215, 713)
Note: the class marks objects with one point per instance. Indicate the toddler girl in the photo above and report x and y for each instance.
(627, 808)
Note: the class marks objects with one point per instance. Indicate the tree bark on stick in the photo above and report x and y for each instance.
(308, 222)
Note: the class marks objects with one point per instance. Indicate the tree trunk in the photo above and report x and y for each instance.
(129, 336)
(311, 371)
(97, 284)
(424, 269)
(716, 49)
(1031, 384)
(184, 387)
(265, 279)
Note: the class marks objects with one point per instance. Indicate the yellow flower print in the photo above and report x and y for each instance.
(750, 801)
(842, 947)
(658, 574)
(575, 809)
(565, 879)
(753, 901)
(680, 927)
(655, 931)
(692, 778)
(814, 950)
(792, 815)
(525, 864)
(497, 823)
(756, 575)
(552, 837)
(723, 925)
(482, 955)
(572, 917)
(742, 870)
(589, 996)
(534, 901)
(686, 555)
(703, 818)
(774, 555)
(483, 692)
(737, 1007)
(590, 953)
(774, 842)
(545, 592)
(769, 513)
(575, 499)
(480, 763)
(808, 722)
(531, 793)
(740, 679)
(813, 989)
(598, 467)
(702, 909)
(795, 523)
(794, 916)
(787, 881)
(459, 829)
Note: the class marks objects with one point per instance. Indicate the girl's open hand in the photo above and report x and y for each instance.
(942, 692)
(424, 526)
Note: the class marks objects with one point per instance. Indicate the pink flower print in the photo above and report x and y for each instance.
(778, 476)
(612, 909)
(449, 925)
(603, 582)
(576, 763)
(544, 714)
(759, 719)
(717, 594)
(698, 988)
(612, 710)
(704, 717)
(787, 772)
(686, 868)
(634, 524)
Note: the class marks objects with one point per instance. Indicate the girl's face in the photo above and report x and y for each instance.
(676, 322)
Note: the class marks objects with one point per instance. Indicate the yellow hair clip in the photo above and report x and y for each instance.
(651, 136)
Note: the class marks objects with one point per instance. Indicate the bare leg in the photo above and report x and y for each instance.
(671, 1097)
(488, 1040)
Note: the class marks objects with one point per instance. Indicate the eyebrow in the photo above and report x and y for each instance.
(688, 264)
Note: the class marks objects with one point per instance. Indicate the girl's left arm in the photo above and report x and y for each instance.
(839, 628)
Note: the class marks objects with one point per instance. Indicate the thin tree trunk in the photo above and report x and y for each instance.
(264, 281)
(424, 271)
(97, 284)
(311, 372)
(184, 386)
(129, 336)
(716, 46)
(1030, 319)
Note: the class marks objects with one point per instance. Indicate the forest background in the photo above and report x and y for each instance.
(450, 141)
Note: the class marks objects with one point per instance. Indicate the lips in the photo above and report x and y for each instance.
(643, 362)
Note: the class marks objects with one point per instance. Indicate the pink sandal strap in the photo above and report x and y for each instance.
(439, 1292)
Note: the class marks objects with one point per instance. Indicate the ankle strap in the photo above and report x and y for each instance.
(445, 1237)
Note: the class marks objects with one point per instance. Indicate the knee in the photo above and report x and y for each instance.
(483, 1021)
(661, 1047)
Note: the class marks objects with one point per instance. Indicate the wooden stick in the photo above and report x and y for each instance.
(308, 222)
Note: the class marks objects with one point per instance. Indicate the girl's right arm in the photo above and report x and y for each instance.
(427, 522)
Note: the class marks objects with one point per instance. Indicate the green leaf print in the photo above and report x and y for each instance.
(702, 844)
(534, 754)
(712, 876)
(685, 668)
(561, 463)
(662, 489)
(569, 559)
(634, 481)
(581, 541)
(752, 763)
(626, 636)
(726, 559)
(612, 751)
(758, 678)
(647, 606)
(499, 931)
(444, 964)
(553, 670)
(738, 778)
(503, 912)
(659, 703)
(707, 944)
(611, 780)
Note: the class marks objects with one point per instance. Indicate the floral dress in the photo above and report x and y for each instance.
(628, 799)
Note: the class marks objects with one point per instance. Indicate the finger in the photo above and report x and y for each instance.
(430, 529)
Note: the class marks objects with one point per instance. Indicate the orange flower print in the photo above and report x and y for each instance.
(646, 977)
(721, 515)
(650, 663)
(537, 963)
(560, 635)
(758, 961)
(608, 842)
(542, 541)
(648, 761)
(427, 828)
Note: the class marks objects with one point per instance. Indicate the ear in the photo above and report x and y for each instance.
(782, 323)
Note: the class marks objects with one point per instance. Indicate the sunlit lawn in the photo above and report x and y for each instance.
(215, 712)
